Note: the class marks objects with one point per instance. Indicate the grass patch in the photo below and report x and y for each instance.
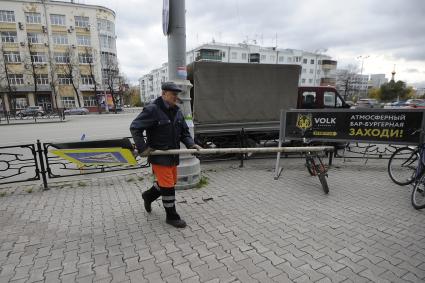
(202, 182)
(3, 194)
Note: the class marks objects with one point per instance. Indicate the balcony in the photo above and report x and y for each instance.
(209, 55)
(327, 82)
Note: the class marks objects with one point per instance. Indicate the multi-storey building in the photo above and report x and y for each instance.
(376, 80)
(317, 69)
(55, 54)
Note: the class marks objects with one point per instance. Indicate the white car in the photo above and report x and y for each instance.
(77, 111)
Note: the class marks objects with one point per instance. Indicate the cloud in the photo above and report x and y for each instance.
(391, 31)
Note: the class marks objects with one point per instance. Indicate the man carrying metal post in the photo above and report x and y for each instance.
(165, 128)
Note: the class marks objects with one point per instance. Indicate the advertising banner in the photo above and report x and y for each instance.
(374, 126)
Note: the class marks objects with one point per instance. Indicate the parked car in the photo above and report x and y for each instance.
(31, 111)
(76, 111)
(420, 105)
(412, 103)
(395, 104)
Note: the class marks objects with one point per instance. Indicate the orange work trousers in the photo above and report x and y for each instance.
(166, 176)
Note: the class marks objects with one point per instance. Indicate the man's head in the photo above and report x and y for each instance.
(169, 92)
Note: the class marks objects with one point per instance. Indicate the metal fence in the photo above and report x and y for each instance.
(32, 162)
(7, 117)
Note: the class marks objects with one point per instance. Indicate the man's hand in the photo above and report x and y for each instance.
(146, 152)
(197, 147)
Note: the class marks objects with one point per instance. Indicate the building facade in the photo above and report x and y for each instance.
(317, 69)
(376, 80)
(56, 54)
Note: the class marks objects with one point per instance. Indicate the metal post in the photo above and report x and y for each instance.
(42, 167)
(189, 170)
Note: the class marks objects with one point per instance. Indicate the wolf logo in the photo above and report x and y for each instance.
(304, 121)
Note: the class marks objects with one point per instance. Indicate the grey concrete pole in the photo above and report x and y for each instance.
(189, 170)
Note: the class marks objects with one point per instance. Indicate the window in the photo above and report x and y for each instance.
(86, 80)
(107, 41)
(21, 103)
(234, 55)
(105, 25)
(33, 18)
(8, 36)
(90, 101)
(109, 59)
(85, 58)
(272, 58)
(297, 59)
(304, 70)
(281, 58)
(57, 20)
(60, 39)
(311, 71)
(243, 56)
(16, 79)
(42, 79)
(7, 16)
(61, 58)
(329, 99)
(305, 61)
(263, 58)
(12, 57)
(38, 57)
(318, 72)
(68, 102)
(84, 40)
(81, 22)
(312, 61)
(310, 81)
(303, 81)
(64, 80)
(289, 59)
(34, 37)
(309, 99)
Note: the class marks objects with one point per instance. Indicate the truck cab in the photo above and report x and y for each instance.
(319, 97)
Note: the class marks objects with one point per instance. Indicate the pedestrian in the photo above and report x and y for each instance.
(165, 128)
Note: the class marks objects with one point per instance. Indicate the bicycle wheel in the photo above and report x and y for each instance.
(322, 178)
(310, 166)
(418, 193)
(402, 165)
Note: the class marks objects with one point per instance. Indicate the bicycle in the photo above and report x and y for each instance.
(317, 168)
(407, 166)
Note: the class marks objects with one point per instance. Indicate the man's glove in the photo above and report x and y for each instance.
(197, 147)
(146, 152)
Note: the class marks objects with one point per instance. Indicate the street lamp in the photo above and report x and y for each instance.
(362, 57)
(316, 63)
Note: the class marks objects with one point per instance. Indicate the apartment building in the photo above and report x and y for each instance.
(317, 69)
(56, 54)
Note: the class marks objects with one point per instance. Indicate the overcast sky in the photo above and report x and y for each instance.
(390, 32)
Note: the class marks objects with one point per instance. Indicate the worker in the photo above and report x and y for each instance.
(165, 128)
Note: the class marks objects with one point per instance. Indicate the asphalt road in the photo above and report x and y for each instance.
(92, 126)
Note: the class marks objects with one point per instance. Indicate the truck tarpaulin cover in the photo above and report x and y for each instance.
(231, 92)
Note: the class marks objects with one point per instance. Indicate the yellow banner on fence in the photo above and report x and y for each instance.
(97, 156)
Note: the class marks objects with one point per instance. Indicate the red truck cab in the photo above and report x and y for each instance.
(319, 97)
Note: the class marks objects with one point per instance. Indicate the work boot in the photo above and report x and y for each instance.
(168, 200)
(151, 195)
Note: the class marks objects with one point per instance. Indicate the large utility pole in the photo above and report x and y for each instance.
(174, 27)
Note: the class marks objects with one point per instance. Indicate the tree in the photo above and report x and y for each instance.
(30, 63)
(111, 71)
(375, 93)
(90, 60)
(395, 90)
(71, 71)
(6, 84)
(347, 81)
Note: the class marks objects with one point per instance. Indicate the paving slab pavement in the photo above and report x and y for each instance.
(243, 226)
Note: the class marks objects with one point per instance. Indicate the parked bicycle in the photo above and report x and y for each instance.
(406, 166)
(316, 167)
